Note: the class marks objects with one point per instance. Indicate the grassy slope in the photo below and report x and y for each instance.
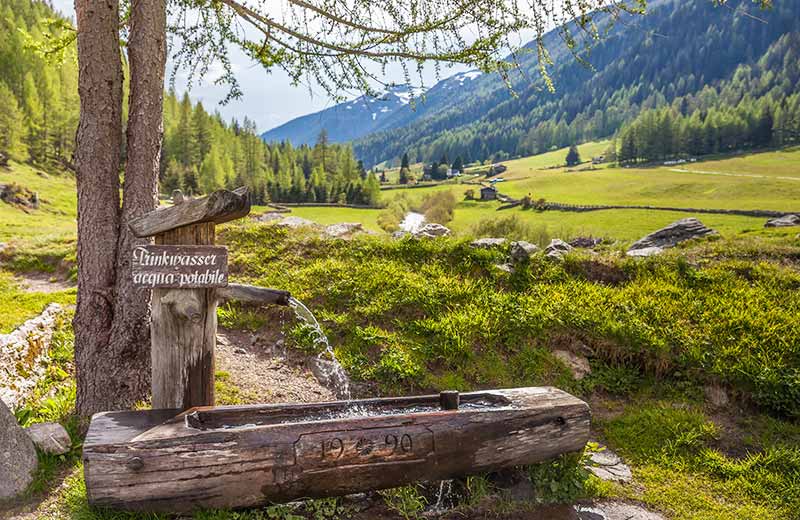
(38, 241)
(752, 184)
(56, 217)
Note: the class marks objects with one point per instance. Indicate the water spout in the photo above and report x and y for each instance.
(325, 367)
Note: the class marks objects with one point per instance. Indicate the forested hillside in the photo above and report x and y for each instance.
(681, 49)
(38, 98)
(39, 115)
(758, 107)
(202, 152)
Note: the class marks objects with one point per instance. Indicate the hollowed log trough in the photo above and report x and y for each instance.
(242, 456)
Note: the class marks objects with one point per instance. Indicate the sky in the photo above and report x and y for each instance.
(268, 98)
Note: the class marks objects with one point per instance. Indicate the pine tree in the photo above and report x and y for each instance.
(12, 128)
(404, 161)
(573, 157)
(36, 137)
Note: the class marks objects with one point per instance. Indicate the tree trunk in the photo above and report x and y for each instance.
(97, 157)
(130, 332)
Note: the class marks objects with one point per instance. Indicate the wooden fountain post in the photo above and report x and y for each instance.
(184, 270)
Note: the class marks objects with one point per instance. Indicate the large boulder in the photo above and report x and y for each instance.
(17, 455)
(670, 236)
(521, 251)
(488, 243)
(432, 231)
(50, 437)
(784, 221)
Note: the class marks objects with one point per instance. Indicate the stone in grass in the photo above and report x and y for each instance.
(578, 365)
(50, 437)
(17, 455)
(344, 229)
(607, 465)
(296, 222)
(521, 251)
(784, 221)
(670, 236)
(432, 230)
(556, 249)
(716, 396)
(615, 510)
(488, 243)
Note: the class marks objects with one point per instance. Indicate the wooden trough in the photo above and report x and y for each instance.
(241, 456)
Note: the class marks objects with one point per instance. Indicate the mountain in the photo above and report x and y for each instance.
(678, 49)
(346, 121)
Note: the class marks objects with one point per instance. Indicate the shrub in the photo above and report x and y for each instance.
(512, 227)
(439, 207)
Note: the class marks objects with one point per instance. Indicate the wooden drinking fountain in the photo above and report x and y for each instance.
(241, 456)
(187, 454)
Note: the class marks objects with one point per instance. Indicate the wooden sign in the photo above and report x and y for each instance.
(180, 267)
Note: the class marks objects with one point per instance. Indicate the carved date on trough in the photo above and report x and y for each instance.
(180, 267)
(242, 456)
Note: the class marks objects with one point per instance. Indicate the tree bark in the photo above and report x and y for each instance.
(130, 332)
(97, 161)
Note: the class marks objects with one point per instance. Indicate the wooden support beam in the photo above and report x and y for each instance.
(221, 206)
(253, 294)
(183, 333)
(244, 456)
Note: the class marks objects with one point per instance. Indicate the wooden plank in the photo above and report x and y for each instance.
(224, 461)
(182, 267)
(221, 206)
(253, 294)
(183, 331)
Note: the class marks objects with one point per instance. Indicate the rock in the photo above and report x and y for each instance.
(509, 268)
(24, 355)
(644, 252)
(521, 251)
(240, 351)
(400, 234)
(615, 510)
(585, 242)
(17, 455)
(578, 365)
(607, 465)
(556, 249)
(716, 396)
(268, 217)
(296, 222)
(50, 437)
(432, 231)
(784, 221)
(672, 235)
(488, 243)
(344, 229)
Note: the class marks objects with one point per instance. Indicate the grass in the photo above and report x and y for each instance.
(55, 219)
(673, 450)
(422, 315)
(17, 305)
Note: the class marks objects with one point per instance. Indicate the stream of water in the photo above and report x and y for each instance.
(412, 222)
(327, 369)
